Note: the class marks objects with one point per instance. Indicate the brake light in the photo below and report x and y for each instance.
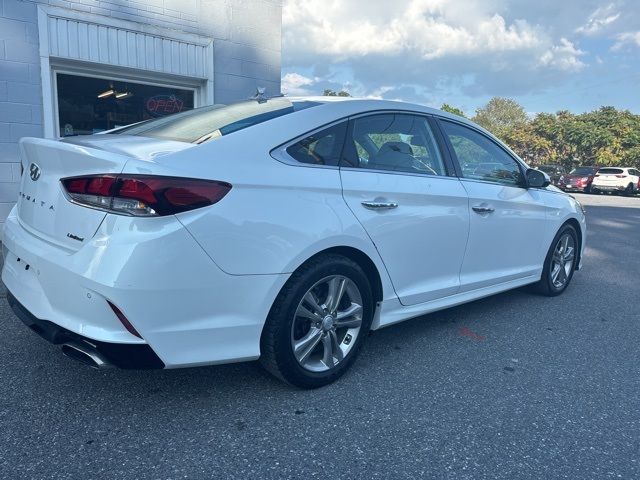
(621, 176)
(144, 195)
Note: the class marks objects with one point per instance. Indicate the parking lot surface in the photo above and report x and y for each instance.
(512, 386)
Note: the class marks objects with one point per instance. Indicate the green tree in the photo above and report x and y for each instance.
(332, 93)
(500, 115)
(451, 109)
(606, 136)
(528, 144)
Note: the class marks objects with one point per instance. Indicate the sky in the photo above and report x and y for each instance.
(548, 55)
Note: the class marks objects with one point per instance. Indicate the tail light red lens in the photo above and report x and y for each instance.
(621, 176)
(144, 195)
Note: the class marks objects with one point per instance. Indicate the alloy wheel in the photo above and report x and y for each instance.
(562, 260)
(326, 323)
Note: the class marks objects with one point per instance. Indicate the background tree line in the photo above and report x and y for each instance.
(606, 136)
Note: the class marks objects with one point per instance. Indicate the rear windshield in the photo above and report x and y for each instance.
(583, 171)
(610, 170)
(206, 123)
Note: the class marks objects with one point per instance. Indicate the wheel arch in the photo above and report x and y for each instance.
(576, 226)
(363, 260)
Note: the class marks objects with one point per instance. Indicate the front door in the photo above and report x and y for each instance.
(395, 181)
(507, 220)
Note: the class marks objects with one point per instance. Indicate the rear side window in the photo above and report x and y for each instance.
(393, 142)
(480, 158)
(320, 148)
(206, 123)
(610, 171)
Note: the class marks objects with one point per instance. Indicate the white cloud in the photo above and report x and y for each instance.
(599, 19)
(626, 38)
(431, 50)
(564, 56)
(418, 30)
(429, 28)
(294, 84)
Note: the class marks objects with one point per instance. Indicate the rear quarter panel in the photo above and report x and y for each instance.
(276, 215)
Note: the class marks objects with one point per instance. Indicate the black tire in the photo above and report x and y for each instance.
(628, 192)
(545, 286)
(277, 355)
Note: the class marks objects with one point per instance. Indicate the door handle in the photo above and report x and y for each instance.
(482, 209)
(379, 205)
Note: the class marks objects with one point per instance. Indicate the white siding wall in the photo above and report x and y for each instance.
(246, 36)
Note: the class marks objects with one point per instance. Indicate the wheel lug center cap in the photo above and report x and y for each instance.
(327, 323)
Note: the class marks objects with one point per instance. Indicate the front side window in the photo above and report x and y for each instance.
(480, 158)
(393, 142)
(320, 148)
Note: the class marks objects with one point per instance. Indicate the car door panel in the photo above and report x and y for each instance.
(418, 221)
(422, 240)
(507, 220)
(504, 243)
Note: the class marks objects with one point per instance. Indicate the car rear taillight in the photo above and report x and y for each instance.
(144, 195)
(621, 176)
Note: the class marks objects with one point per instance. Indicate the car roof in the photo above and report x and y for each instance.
(377, 104)
(372, 104)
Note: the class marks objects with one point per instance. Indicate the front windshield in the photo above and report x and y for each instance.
(583, 171)
(201, 124)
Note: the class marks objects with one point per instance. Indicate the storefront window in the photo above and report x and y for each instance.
(89, 105)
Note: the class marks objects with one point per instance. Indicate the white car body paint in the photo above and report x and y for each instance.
(199, 285)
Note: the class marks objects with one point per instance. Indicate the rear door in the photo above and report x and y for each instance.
(397, 184)
(507, 220)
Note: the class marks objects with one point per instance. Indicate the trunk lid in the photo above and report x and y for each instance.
(43, 207)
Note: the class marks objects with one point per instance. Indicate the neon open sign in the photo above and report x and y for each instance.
(159, 105)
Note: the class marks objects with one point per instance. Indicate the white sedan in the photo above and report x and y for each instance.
(281, 229)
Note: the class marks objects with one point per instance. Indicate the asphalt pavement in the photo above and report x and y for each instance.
(512, 386)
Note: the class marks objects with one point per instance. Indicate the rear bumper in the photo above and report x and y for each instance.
(127, 356)
(609, 188)
(573, 188)
(187, 311)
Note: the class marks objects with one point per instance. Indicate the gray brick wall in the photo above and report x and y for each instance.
(246, 33)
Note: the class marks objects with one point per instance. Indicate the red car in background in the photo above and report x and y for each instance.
(578, 180)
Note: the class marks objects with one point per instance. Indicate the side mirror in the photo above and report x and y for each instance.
(537, 179)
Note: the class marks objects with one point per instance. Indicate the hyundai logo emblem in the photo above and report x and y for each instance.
(34, 172)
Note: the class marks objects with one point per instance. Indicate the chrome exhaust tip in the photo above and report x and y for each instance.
(86, 354)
